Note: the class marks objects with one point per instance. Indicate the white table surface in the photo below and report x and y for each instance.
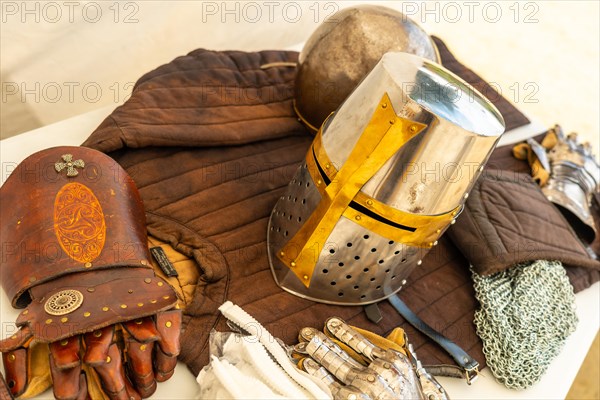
(554, 384)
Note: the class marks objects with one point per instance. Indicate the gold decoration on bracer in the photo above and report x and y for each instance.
(385, 134)
(63, 302)
(79, 222)
(69, 164)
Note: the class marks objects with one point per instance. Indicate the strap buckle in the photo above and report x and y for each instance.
(471, 374)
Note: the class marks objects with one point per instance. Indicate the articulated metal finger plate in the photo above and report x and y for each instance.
(575, 176)
(384, 373)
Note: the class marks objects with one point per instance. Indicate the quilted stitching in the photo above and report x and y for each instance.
(217, 231)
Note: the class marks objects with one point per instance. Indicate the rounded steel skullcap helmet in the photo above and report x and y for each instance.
(342, 51)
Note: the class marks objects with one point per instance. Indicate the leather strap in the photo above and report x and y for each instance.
(450, 371)
(469, 367)
(373, 312)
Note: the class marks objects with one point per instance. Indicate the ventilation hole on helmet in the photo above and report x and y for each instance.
(387, 271)
(341, 294)
(403, 260)
(373, 250)
(378, 287)
(333, 283)
(303, 201)
(285, 233)
(341, 264)
(391, 242)
(299, 183)
(278, 229)
(290, 217)
(393, 276)
(295, 199)
(332, 251)
(397, 252)
(299, 219)
(349, 244)
(357, 257)
(307, 184)
(356, 287)
(366, 237)
(372, 279)
(305, 165)
(289, 197)
(325, 271)
(283, 214)
(380, 261)
(348, 276)
(363, 296)
(272, 228)
(366, 270)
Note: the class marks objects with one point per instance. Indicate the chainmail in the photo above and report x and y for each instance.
(526, 314)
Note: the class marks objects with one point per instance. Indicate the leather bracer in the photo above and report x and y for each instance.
(76, 258)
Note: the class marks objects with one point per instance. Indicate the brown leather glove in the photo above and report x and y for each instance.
(97, 322)
(4, 392)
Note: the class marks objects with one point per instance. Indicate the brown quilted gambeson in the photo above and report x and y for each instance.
(211, 140)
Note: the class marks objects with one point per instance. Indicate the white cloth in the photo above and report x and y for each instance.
(253, 366)
(244, 370)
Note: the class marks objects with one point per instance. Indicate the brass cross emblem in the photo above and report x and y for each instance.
(69, 164)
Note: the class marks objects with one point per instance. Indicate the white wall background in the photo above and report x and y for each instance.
(63, 58)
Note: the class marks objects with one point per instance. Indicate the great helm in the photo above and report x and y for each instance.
(342, 51)
(386, 174)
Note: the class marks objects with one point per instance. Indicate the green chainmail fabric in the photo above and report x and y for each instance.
(526, 314)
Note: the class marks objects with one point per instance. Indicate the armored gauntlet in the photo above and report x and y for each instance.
(574, 176)
(353, 366)
(97, 322)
